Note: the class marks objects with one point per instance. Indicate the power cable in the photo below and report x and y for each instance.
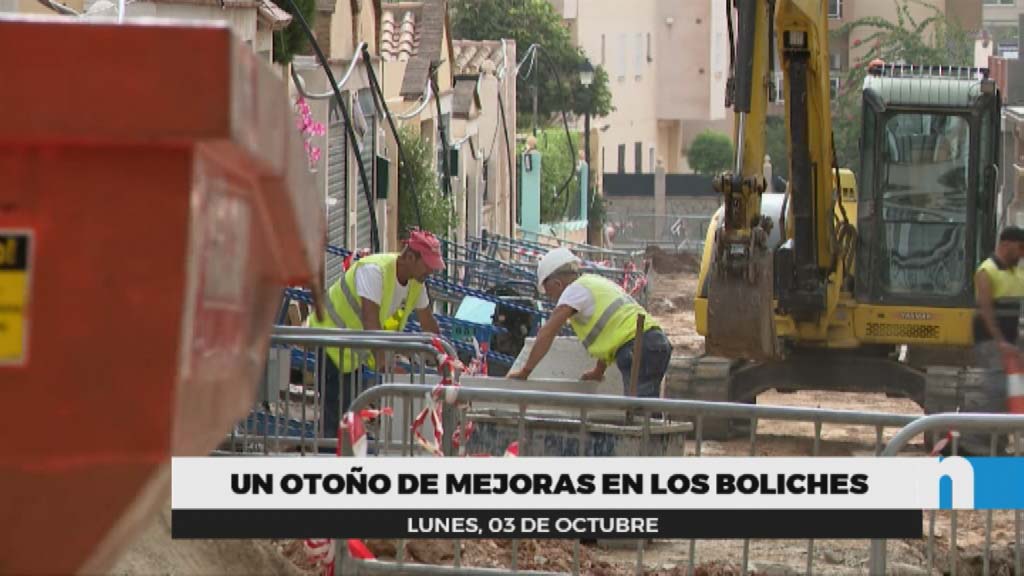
(59, 8)
(368, 192)
(378, 98)
(568, 136)
(511, 175)
(300, 84)
(441, 133)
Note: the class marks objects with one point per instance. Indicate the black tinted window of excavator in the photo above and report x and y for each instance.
(925, 179)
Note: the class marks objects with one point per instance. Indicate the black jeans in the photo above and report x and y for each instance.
(657, 353)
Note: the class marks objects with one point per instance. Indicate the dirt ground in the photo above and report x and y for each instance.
(155, 553)
(671, 301)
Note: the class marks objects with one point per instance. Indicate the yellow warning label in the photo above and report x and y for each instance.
(14, 276)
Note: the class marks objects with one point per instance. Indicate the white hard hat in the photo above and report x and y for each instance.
(551, 262)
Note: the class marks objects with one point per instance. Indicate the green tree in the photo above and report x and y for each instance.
(292, 39)
(554, 72)
(557, 162)
(934, 39)
(417, 174)
(711, 153)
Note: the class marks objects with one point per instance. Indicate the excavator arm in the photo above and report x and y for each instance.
(748, 278)
(808, 256)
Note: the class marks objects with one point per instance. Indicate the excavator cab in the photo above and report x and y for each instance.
(928, 181)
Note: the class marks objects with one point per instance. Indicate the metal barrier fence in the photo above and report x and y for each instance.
(684, 233)
(543, 423)
(277, 425)
(527, 250)
(482, 271)
(995, 425)
(574, 414)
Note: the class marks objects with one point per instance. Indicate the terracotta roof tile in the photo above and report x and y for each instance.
(470, 55)
(400, 31)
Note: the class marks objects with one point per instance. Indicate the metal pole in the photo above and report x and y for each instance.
(638, 350)
(590, 173)
(533, 90)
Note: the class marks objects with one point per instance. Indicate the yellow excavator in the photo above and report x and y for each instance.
(835, 284)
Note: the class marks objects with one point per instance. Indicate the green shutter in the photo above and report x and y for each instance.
(383, 177)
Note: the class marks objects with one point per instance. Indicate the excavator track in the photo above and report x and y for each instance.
(708, 379)
(957, 389)
(715, 379)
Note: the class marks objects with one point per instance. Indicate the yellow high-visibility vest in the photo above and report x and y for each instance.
(1007, 283)
(613, 323)
(344, 306)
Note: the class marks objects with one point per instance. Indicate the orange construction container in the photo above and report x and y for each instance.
(154, 200)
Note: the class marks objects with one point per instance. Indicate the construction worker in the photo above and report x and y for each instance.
(377, 292)
(999, 290)
(604, 318)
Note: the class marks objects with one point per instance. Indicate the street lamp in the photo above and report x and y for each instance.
(586, 72)
(586, 79)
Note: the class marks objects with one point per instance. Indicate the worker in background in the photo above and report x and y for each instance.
(604, 318)
(378, 292)
(999, 290)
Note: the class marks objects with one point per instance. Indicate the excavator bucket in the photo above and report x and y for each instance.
(741, 319)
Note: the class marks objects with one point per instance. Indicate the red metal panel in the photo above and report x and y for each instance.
(168, 203)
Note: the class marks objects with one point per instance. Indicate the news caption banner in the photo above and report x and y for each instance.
(607, 498)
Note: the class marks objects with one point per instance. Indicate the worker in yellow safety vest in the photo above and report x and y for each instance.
(377, 292)
(999, 292)
(604, 317)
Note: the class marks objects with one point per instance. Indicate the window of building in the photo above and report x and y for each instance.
(834, 86)
(835, 8)
(650, 49)
(622, 158)
(638, 55)
(835, 60)
(999, 2)
(652, 163)
(602, 50)
(620, 69)
(639, 167)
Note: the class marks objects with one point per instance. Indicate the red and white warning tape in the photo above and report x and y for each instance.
(632, 287)
(354, 425)
(447, 367)
(1014, 383)
(321, 551)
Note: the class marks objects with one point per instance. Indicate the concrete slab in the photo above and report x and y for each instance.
(568, 360)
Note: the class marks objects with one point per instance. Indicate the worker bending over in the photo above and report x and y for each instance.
(604, 317)
(999, 290)
(378, 292)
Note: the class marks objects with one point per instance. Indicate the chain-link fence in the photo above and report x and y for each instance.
(681, 233)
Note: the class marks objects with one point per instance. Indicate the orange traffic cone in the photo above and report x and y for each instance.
(1014, 383)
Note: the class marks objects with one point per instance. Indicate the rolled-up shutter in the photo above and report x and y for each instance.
(368, 155)
(337, 193)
